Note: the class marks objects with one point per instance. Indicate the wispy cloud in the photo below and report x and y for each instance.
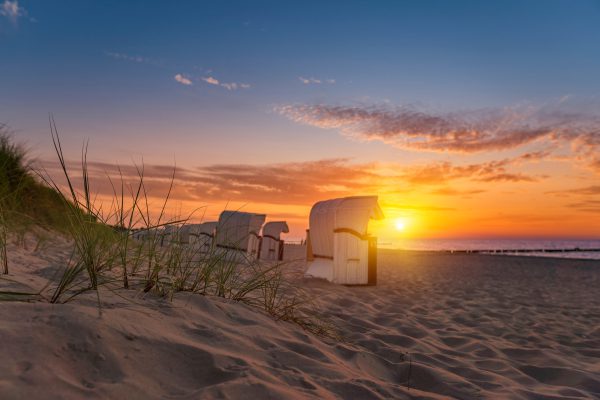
(210, 80)
(449, 191)
(183, 80)
(227, 85)
(298, 183)
(593, 190)
(315, 81)
(303, 183)
(13, 11)
(135, 58)
(586, 199)
(589, 206)
(444, 172)
(465, 132)
(235, 86)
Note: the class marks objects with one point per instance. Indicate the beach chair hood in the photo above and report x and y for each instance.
(235, 228)
(274, 229)
(348, 213)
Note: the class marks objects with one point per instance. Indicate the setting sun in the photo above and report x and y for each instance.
(400, 224)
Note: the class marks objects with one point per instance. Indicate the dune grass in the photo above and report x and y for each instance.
(25, 201)
(106, 256)
(14, 178)
(3, 240)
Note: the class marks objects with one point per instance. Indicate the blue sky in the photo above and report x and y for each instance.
(440, 53)
(135, 76)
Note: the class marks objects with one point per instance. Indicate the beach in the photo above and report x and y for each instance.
(436, 326)
(300, 200)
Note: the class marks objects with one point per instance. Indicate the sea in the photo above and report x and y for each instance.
(583, 249)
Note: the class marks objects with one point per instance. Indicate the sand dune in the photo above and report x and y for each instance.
(472, 326)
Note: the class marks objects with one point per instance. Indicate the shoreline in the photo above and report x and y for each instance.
(491, 253)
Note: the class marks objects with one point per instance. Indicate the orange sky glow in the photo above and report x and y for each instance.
(479, 121)
(527, 195)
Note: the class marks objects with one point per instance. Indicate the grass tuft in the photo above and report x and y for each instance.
(106, 255)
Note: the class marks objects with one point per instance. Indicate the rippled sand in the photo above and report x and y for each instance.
(436, 326)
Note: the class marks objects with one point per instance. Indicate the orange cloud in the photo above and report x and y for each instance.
(300, 183)
(461, 132)
(443, 172)
(447, 191)
(287, 190)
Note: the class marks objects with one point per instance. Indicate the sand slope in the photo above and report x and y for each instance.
(475, 326)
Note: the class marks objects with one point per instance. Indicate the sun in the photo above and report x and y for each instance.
(400, 224)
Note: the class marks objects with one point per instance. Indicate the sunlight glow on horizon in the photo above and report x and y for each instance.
(400, 224)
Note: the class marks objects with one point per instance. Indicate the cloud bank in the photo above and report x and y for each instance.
(303, 183)
(459, 132)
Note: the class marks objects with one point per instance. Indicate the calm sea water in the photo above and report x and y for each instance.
(502, 244)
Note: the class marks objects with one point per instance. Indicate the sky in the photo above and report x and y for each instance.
(468, 119)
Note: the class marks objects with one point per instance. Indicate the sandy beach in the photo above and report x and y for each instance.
(436, 326)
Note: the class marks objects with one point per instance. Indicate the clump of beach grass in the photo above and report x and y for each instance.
(105, 255)
(26, 201)
(14, 178)
(3, 240)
